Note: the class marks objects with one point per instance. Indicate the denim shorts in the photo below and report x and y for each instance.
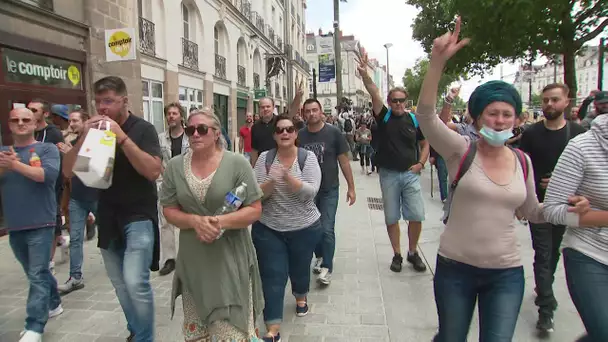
(401, 196)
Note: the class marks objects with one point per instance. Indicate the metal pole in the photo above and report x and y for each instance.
(555, 70)
(530, 85)
(290, 65)
(337, 51)
(600, 67)
(314, 83)
(388, 73)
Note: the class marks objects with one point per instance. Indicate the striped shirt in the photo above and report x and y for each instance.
(581, 170)
(285, 210)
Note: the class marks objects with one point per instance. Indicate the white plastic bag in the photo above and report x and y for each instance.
(95, 161)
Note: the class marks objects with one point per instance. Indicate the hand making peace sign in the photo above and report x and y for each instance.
(447, 45)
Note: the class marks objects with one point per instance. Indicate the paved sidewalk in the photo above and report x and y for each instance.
(365, 302)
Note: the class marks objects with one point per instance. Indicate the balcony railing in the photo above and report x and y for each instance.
(241, 74)
(258, 21)
(246, 8)
(297, 57)
(256, 80)
(147, 41)
(220, 66)
(271, 34)
(280, 43)
(44, 4)
(277, 90)
(189, 54)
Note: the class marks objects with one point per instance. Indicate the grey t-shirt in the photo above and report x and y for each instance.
(327, 144)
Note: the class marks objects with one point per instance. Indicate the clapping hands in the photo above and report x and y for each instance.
(8, 158)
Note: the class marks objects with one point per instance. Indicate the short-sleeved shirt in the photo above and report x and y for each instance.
(545, 146)
(262, 135)
(245, 134)
(327, 144)
(131, 197)
(397, 141)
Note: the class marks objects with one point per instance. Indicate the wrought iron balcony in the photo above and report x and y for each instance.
(189, 54)
(277, 90)
(44, 4)
(280, 43)
(147, 41)
(256, 80)
(220, 66)
(245, 8)
(271, 34)
(258, 21)
(297, 57)
(241, 74)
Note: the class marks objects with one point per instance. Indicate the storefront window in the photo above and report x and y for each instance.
(190, 98)
(153, 104)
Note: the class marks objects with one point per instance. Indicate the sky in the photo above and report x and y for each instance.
(375, 25)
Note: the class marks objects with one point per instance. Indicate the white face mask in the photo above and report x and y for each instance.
(495, 138)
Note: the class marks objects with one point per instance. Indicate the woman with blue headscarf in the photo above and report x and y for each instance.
(479, 259)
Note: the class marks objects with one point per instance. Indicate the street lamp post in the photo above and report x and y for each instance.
(388, 78)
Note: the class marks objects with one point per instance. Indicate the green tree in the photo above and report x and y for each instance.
(507, 30)
(413, 77)
(459, 104)
(537, 100)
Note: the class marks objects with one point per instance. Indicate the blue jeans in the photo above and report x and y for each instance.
(327, 203)
(442, 175)
(401, 195)
(283, 255)
(79, 213)
(32, 248)
(587, 281)
(128, 268)
(458, 286)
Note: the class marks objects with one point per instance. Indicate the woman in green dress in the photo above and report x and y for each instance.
(216, 274)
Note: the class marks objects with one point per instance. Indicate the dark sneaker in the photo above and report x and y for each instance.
(545, 323)
(416, 261)
(276, 338)
(397, 263)
(72, 284)
(168, 268)
(301, 311)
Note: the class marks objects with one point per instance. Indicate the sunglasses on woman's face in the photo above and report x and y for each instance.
(289, 129)
(202, 129)
(402, 100)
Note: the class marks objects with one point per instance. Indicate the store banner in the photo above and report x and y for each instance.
(121, 44)
(327, 68)
(325, 45)
(29, 68)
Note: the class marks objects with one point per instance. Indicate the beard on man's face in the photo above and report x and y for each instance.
(552, 115)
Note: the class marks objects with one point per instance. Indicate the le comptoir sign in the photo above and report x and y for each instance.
(29, 68)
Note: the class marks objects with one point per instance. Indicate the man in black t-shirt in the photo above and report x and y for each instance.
(544, 142)
(262, 132)
(402, 153)
(127, 215)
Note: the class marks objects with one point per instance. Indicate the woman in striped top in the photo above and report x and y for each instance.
(289, 229)
(581, 169)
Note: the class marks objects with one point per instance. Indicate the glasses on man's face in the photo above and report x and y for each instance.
(20, 120)
(105, 102)
(33, 110)
(401, 100)
(201, 129)
(288, 129)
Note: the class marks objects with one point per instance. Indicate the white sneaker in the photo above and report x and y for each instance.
(52, 267)
(56, 311)
(30, 336)
(325, 276)
(317, 268)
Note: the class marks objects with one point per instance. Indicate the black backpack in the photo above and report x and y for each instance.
(272, 154)
(348, 126)
(465, 163)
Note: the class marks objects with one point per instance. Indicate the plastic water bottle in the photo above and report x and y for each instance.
(232, 202)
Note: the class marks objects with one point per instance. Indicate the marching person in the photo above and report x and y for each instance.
(173, 142)
(28, 174)
(127, 213)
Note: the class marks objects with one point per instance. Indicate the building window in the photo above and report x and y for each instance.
(190, 98)
(44, 4)
(216, 41)
(186, 21)
(153, 104)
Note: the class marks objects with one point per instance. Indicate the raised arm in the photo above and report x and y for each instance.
(370, 86)
(296, 104)
(444, 140)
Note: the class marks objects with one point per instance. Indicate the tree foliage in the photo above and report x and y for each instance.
(413, 77)
(507, 30)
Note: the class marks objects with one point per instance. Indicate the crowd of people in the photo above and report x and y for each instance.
(284, 183)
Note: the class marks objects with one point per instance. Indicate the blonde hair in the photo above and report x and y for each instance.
(217, 124)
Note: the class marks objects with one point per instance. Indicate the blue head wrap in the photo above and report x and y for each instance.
(493, 91)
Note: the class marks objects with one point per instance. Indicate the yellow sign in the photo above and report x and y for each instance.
(120, 44)
(74, 75)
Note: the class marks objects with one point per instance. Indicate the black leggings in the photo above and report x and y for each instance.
(364, 152)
